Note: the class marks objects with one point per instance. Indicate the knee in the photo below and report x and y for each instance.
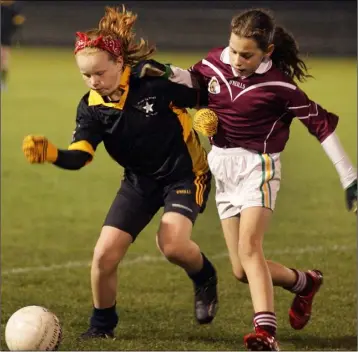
(240, 274)
(174, 241)
(172, 251)
(104, 259)
(111, 247)
(249, 247)
(171, 248)
(159, 245)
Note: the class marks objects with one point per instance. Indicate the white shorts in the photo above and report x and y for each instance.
(244, 179)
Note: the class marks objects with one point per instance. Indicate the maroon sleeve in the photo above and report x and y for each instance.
(198, 69)
(197, 72)
(318, 121)
(201, 72)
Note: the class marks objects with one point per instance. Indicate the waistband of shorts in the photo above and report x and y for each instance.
(233, 151)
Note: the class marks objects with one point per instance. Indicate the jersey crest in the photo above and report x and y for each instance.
(214, 86)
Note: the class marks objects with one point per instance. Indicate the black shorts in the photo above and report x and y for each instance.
(140, 198)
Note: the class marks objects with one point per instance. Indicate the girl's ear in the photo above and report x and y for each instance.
(120, 60)
(270, 50)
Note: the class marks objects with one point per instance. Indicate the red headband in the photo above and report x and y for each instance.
(113, 46)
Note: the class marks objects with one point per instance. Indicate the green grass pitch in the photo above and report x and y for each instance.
(50, 220)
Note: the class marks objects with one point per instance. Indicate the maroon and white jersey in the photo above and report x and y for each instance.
(256, 112)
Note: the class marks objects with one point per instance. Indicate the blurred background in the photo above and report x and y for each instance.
(51, 218)
(321, 27)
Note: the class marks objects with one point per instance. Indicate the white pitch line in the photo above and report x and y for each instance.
(154, 259)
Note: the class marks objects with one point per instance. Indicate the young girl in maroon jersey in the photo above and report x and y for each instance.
(252, 93)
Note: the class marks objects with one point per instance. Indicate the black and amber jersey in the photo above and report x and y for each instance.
(148, 132)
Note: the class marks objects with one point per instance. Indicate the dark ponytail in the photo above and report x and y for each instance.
(259, 25)
(286, 55)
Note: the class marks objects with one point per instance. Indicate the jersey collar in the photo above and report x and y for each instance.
(96, 99)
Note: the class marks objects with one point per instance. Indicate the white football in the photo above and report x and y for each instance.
(33, 328)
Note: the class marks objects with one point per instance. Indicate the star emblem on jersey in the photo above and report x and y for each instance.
(148, 107)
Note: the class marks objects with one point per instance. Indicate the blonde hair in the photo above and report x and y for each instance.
(118, 24)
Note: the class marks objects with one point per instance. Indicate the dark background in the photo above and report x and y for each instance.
(322, 28)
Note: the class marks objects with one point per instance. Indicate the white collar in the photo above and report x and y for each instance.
(263, 68)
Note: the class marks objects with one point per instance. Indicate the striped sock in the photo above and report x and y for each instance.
(265, 321)
(303, 284)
